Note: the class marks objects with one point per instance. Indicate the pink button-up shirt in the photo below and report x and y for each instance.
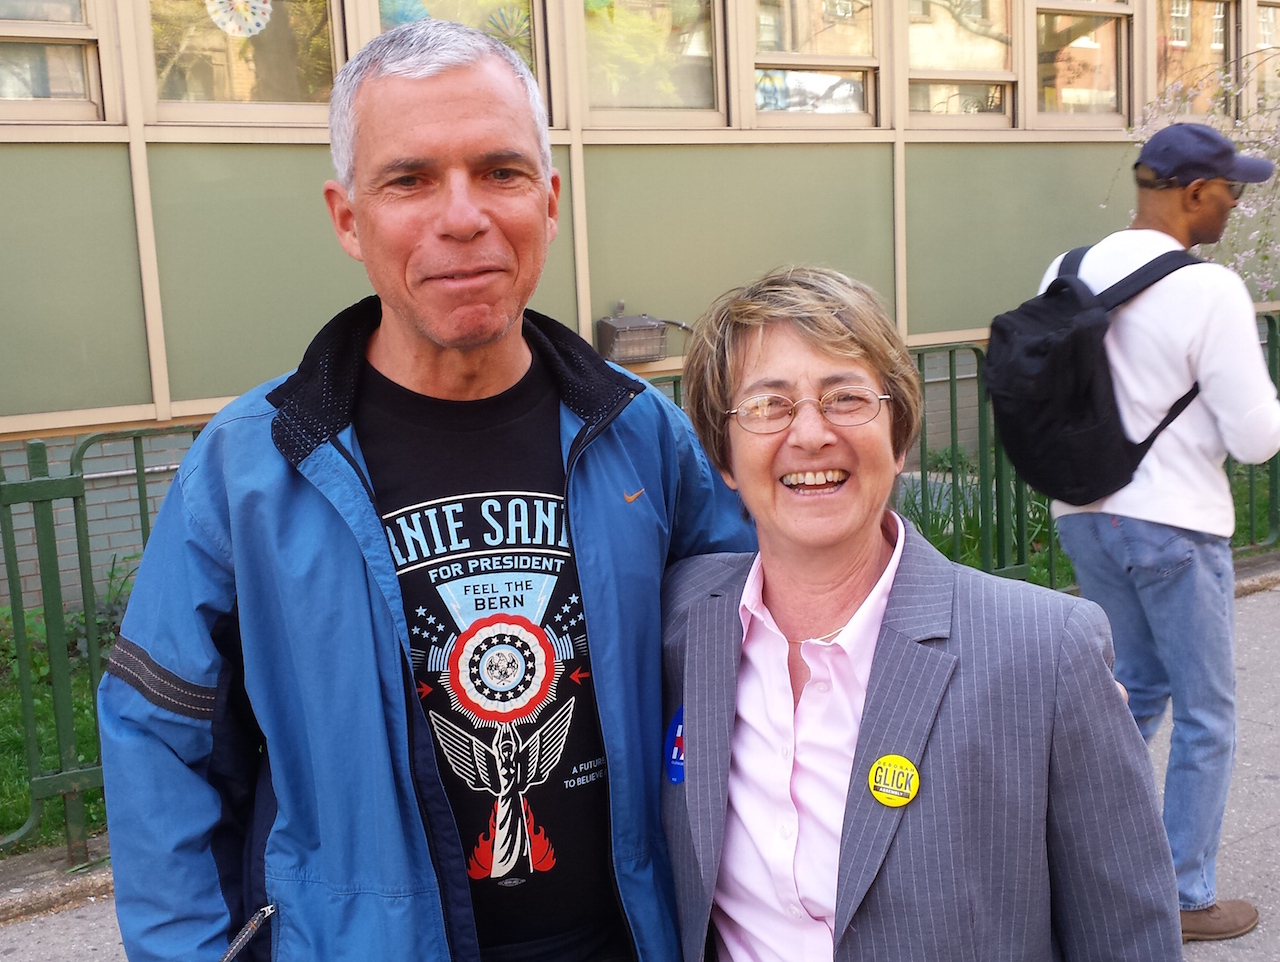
(775, 896)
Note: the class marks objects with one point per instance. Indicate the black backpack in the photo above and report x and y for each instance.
(1050, 384)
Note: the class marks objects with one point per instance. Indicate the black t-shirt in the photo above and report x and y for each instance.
(471, 494)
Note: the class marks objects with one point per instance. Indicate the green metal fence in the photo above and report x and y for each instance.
(961, 493)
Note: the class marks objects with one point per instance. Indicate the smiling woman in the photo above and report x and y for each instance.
(912, 742)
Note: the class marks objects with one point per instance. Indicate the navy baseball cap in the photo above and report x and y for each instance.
(1187, 152)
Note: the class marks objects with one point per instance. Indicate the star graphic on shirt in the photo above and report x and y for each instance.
(417, 630)
(573, 599)
(565, 609)
(559, 617)
(421, 611)
(431, 620)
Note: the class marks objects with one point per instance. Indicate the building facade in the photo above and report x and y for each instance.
(165, 243)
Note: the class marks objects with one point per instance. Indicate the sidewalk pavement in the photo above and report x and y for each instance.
(48, 914)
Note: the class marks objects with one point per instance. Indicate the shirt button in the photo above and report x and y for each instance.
(822, 686)
(795, 911)
(786, 752)
(786, 831)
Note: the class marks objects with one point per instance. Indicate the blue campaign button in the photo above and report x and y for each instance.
(675, 748)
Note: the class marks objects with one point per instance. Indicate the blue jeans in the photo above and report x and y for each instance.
(1170, 596)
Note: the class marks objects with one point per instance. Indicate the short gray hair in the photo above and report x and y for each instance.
(416, 51)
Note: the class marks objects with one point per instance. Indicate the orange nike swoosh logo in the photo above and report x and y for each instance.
(631, 497)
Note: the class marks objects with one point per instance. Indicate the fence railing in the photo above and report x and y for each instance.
(958, 489)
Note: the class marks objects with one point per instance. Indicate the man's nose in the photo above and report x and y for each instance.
(462, 217)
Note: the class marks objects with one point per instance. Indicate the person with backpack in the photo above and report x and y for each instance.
(1155, 554)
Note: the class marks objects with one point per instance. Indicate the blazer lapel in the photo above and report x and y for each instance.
(908, 680)
(714, 648)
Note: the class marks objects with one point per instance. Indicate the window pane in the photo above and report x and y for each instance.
(45, 11)
(650, 53)
(961, 35)
(43, 71)
(1268, 64)
(508, 20)
(942, 98)
(274, 51)
(812, 91)
(838, 28)
(1191, 49)
(1079, 66)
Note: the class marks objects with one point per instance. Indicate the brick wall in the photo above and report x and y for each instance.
(111, 506)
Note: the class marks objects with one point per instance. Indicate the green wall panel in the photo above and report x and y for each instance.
(72, 333)
(250, 268)
(557, 295)
(672, 228)
(985, 220)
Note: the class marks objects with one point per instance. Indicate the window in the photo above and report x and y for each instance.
(652, 54)
(48, 61)
(815, 59)
(1192, 37)
(1179, 22)
(243, 51)
(1266, 68)
(1080, 67)
(960, 62)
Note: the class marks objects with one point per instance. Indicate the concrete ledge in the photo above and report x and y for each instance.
(38, 882)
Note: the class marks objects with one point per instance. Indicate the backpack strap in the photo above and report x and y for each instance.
(1179, 406)
(1070, 265)
(1130, 287)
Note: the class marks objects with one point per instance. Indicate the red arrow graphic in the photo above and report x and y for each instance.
(578, 674)
(423, 689)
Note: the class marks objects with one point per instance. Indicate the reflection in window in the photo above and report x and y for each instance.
(812, 91)
(1079, 64)
(42, 11)
(507, 20)
(43, 71)
(965, 35)
(831, 28)
(1267, 68)
(957, 98)
(1190, 50)
(650, 53)
(273, 51)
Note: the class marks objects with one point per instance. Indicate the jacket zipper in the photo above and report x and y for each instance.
(585, 437)
(406, 671)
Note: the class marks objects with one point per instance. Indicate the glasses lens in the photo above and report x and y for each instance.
(848, 406)
(1236, 187)
(765, 413)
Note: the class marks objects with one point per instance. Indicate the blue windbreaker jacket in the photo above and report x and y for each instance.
(262, 742)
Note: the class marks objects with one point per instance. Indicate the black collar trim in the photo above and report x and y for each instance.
(318, 400)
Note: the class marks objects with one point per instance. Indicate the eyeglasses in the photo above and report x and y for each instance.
(1234, 187)
(846, 406)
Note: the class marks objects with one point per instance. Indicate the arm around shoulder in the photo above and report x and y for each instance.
(1111, 875)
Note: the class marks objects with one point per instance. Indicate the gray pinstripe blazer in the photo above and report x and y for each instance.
(1035, 835)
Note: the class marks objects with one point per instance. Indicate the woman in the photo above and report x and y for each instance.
(875, 753)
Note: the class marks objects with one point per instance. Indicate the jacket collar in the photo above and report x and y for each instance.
(318, 400)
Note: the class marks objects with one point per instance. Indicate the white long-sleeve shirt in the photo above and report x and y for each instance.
(1197, 324)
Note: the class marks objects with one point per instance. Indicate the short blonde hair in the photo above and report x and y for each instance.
(835, 314)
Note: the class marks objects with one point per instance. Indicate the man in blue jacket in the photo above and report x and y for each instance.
(388, 686)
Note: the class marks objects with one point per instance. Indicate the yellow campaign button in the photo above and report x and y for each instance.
(894, 781)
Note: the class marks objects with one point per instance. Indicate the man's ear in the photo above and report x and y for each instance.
(553, 206)
(728, 479)
(1193, 195)
(343, 216)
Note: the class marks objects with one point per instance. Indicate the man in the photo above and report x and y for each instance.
(1156, 554)
(390, 673)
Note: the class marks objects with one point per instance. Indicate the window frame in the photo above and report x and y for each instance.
(1008, 119)
(94, 35)
(232, 113)
(623, 118)
(1123, 15)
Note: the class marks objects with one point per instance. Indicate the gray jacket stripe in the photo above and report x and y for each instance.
(157, 685)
